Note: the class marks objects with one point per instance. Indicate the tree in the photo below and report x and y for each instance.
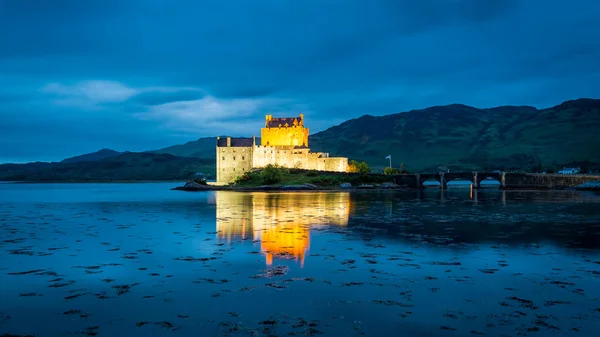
(272, 174)
(355, 166)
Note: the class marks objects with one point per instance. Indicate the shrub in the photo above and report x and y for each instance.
(245, 177)
(200, 181)
(273, 174)
(391, 171)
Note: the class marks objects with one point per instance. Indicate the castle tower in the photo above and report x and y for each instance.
(284, 131)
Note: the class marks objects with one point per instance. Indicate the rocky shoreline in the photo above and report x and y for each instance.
(192, 186)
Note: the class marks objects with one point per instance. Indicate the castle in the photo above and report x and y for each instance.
(284, 142)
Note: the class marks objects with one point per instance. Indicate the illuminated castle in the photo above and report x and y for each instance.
(281, 222)
(284, 142)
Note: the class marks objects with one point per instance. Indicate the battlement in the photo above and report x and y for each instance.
(284, 122)
(235, 141)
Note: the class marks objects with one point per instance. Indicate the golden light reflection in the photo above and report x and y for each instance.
(281, 222)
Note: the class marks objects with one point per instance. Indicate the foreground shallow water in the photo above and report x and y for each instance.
(141, 260)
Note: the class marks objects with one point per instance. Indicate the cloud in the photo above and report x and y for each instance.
(89, 93)
(152, 69)
(207, 113)
(95, 93)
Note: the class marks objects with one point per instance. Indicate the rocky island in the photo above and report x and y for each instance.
(276, 178)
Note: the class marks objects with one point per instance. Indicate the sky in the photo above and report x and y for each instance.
(78, 76)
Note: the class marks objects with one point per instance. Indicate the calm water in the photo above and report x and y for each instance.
(141, 260)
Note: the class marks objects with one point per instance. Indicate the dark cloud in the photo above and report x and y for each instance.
(333, 59)
(244, 91)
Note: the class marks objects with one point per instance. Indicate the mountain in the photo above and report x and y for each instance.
(456, 137)
(126, 166)
(466, 138)
(200, 148)
(94, 156)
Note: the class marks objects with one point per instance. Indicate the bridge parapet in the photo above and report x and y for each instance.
(546, 181)
(508, 180)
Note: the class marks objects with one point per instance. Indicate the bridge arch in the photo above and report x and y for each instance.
(489, 181)
(430, 182)
(459, 182)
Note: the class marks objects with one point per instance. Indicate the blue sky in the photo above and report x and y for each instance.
(78, 76)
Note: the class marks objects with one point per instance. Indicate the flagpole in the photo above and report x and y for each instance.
(390, 161)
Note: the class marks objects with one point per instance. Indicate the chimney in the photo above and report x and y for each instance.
(253, 140)
(228, 141)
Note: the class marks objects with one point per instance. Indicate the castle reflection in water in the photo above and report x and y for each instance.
(281, 222)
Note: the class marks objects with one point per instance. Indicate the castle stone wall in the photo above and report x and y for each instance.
(336, 164)
(233, 162)
(286, 156)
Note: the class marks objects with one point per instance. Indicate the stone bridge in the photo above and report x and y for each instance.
(508, 180)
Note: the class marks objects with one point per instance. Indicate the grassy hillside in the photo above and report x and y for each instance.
(463, 137)
(94, 156)
(127, 166)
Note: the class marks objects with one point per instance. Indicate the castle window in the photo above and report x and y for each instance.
(234, 169)
(223, 157)
(243, 158)
(233, 157)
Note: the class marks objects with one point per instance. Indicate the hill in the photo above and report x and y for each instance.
(94, 156)
(200, 148)
(126, 166)
(461, 137)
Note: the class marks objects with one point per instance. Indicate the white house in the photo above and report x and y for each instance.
(569, 170)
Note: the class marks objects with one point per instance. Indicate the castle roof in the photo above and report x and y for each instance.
(282, 121)
(235, 142)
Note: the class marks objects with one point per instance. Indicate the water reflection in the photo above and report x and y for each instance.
(132, 260)
(462, 217)
(281, 222)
